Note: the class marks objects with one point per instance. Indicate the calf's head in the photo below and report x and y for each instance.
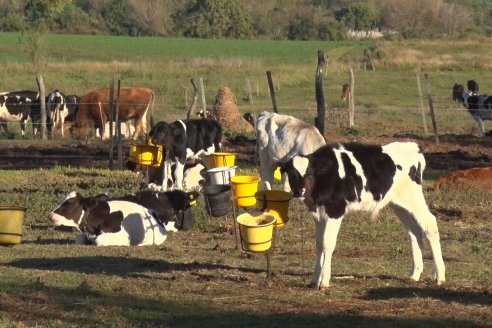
(73, 212)
(78, 130)
(296, 169)
(161, 134)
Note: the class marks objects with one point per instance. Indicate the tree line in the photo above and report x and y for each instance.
(251, 19)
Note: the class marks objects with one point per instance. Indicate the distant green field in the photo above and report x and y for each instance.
(386, 99)
(70, 48)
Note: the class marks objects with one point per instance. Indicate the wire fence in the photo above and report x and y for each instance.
(370, 120)
(385, 102)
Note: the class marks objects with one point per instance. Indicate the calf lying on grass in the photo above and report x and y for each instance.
(337, 179)
(480, 177)
(134, 220)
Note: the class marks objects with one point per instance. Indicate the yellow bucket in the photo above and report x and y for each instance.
(147, 155)
(277, 174)
(11, 218)
(245, 187)
(221, 159)
(277, 203)
(256, 231)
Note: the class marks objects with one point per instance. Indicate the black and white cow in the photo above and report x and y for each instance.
(123, 221)
(479, 106)
(17, 106)
(473, 88)
(249, 118)
(185, 139)
(73, 105)
(281, 137)
(57, 110)
(167, 207)
(337, 179)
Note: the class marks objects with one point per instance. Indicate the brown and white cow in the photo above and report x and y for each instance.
(480, 177)
(134, 103)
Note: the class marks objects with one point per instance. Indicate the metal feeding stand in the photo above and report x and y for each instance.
(239, 238)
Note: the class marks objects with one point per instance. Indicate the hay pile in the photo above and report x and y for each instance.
(227, 113)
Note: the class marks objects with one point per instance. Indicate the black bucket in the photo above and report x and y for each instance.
(217, 199)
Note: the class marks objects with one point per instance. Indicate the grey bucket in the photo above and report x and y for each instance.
(217, 199)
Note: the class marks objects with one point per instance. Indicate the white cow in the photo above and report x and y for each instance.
(280, 138)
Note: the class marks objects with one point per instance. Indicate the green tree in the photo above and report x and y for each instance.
(217, 19)
(360, 16)
(118, 17)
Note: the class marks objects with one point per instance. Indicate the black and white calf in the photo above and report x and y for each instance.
(479, 106)
(473, 88)
(169, 208)
(57, 110)
(337, 179)
(17, 106)
(193, 176)
(73, 106)
(186, 139)
(124, 221)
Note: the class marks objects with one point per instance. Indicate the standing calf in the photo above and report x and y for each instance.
(281, 137)
(337, 179)
(479, 106)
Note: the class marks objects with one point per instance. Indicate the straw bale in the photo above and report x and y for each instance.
(227, 112)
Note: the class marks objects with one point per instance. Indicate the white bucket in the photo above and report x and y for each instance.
(221, 175)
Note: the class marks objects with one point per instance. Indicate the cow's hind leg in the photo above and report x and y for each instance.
(120, 238)
(416, 240)
(412, 200)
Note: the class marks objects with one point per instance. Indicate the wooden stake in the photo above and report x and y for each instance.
(431, 106)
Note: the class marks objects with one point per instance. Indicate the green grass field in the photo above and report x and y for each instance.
(198, 278)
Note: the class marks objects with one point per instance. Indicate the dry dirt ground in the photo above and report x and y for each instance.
(452, 152)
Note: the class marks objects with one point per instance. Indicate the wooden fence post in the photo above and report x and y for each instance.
(319, 121)
(42, 95)
(204, 102)
(118, 127)
(250, 97)
(431, 106)
(351, 98)
(185, 96)
(111, 117)
(193, 102)
(272, 92)
(421, 102)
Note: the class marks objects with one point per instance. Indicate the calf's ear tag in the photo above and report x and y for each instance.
(192, 200)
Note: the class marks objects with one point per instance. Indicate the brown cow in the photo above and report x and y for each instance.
(94, 108)
(345, 91)
(477, 176)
